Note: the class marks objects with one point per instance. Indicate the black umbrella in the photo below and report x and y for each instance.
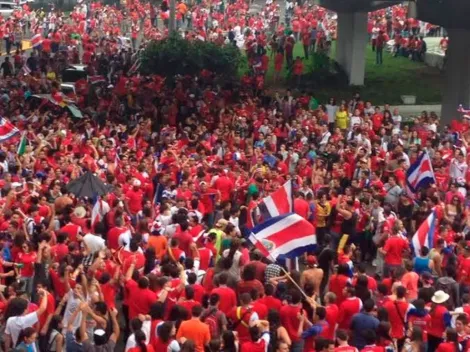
(87, 185)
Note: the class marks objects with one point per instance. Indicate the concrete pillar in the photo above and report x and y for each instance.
(457, 75)
(351, 45)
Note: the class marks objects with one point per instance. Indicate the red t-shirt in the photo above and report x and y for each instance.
(225, 186)
(113, 237)
(447, 347)
(332, 315)
(140, 300)
(394, 246)
(28, 260)
(50, 309)
(185, 240)
(72, 230)
(397, 311)
(228, 298)
(347, 309)
(373, 348)
(271, 302)
(346, 348)
(301, 207)
(134, 200)
(290, 321)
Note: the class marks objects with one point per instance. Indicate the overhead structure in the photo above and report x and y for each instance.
(450, 14)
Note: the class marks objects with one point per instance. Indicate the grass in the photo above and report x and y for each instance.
(383, 83)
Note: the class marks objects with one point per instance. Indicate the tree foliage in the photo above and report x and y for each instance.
(177, 56)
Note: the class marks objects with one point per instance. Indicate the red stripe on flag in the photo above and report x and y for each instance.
(281, 201)
(295, 231)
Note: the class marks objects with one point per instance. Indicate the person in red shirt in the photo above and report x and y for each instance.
(298, 69)
(188, 302)
(140, 298)
(269, 300)
(350, 306)
(228, 297)
(332, 314)
(451, 343)
(27, 257)
(301, 206)
(371, 337)
(184, 238)
(45, 319)
(397, 314)
(339, 281)
(134, 198)
(260, 338)
(245, 315)
(393, 250)
(115, 232)
(289, 318)
(225, 186)
(343, 346)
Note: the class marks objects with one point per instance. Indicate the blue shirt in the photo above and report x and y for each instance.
(360, 322)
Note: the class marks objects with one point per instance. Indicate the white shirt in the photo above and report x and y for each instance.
(72, 305)
(131, 340)
(16, 324)
(457, 169)
(94, 243)
(125, 238)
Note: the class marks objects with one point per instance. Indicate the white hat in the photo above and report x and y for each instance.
(136, 183)
(79, 212)
(440, 297)
(16, 184)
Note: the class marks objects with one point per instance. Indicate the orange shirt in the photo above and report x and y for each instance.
(195, 330)
(159, 243)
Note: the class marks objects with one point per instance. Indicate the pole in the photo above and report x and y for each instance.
(172, 23)
(295, 283)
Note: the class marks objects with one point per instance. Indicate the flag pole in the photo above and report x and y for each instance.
(295, 283)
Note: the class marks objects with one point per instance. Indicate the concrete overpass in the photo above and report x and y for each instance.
(450, 14)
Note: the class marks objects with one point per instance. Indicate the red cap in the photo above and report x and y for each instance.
(312, 260)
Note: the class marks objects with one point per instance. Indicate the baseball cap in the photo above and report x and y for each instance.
(312, 260)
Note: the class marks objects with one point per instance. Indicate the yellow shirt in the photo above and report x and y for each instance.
(342, 119)
(322, 213)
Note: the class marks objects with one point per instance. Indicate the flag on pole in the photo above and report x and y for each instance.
(7, 130)
(25, 70)
(424, 236)
(287, 235)
(277, 203)
(36, 40)
(22, 146)
(420, 174)
(100, 209)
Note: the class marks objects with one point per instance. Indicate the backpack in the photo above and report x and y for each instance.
(447, 284)
(212, 320)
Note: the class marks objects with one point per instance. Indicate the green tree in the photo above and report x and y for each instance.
(177, 56)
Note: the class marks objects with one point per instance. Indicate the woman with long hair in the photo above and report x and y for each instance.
(150, 260)
(362, 290)
(276, 330)
(188, 346)
(140, 340)
(54, 338)
(165, 340)
(234, 253)
(229, 342)
(415, 342)
(451, 343)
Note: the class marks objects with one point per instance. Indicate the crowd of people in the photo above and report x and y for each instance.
(163, 260)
